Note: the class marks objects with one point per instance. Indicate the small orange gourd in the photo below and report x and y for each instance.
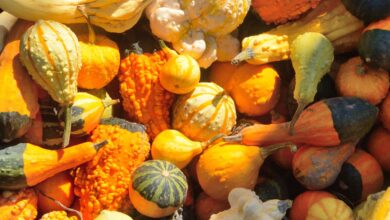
(221, 73)
(378, 146)
(304, 201)
(18, 205)
(384, 112)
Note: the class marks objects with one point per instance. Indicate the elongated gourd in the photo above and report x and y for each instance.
(25, 164)
(51, 53)
(328, 122)
(312, 57)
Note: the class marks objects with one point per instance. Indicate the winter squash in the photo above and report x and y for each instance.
(221, 73)
(355, 78)
(384, 113)
(158, 188)
(304, 201)
(378, 146)
(255, 89)
(204, 113)
(368, 10)
(54, 66)
(20, 204)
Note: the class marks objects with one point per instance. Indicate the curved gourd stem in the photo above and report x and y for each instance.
(268, 150)
(68, 125)
(91, 32)
(211, 140)
(301, 107)
(165, 48)
(242, 56)
(99, 145)
(236, 138)
(108, 103)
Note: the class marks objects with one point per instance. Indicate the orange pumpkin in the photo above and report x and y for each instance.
(18, 205)
(304, 201)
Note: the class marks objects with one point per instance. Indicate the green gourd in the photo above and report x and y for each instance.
(312, 55)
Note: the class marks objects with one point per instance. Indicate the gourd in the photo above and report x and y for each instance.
(279, 12)
(25, 164)
(378, 145)
(158, 188)
(268, 187)
(368, 10)
(246, 205)
(200, 29)
(58, 187)
(57, 215)
(329, 18)
(205, 206)
(113, 16)
(19, 97)
(221, 73)
(355, 78)
(104, 181)
(360, 176)
(108, 215)
(232, 166)
(20, 204)
(54, 66)
(180, 74)
(255, 89)
(303, 202)
(384, 113)
(318, 167)
(373, 42)
(173, 146)
(329, 208)
(144, 99)
(376, 207)
(311, 57)
(7, 21)
(328, 122)
(204, 113)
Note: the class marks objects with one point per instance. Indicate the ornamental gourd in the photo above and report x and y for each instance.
(204, 113)
(20, 204)
(368, 10)
(51, 53)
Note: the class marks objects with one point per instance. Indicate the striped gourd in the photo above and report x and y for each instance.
(204, 113)
(51, 53)
(158, 188)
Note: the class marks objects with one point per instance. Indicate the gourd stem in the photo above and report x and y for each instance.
(99, 145)
(91, 32)
(243, 55)
(165, 48)
(68, 125)
(211, 140)
(108, 103)
(268, 150)
(237, 138)
(301, 107)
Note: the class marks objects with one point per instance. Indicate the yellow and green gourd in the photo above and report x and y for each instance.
(51, 53)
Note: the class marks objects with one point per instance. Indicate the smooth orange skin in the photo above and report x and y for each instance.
(304, 201)
(221, 74)
(379, 147)
(384, 112)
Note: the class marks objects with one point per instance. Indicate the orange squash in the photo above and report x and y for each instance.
(18, 205)
(304, 201)
(378, 146)
(384, 113)
(221, 73)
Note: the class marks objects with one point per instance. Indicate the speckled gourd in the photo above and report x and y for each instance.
(51, 53)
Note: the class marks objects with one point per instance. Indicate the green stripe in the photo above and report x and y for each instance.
(12, 167)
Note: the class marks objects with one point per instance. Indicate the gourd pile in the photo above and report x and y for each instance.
(194, 110)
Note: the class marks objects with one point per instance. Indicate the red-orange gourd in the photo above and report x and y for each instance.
(304, 201)
(378, 146)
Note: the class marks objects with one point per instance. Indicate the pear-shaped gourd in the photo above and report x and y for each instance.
(312, 55)
(173, 146)
(50, 51)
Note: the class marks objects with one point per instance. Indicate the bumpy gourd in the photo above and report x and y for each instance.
(312, 57)
(57, 215)
(200, 29)
(18, 204)
(51, 53)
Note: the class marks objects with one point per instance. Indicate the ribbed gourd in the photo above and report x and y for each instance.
(205, 112)
(158, 188)
(51, 53)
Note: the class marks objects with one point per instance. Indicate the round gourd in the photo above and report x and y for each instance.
(158, 188)
(368, 10)
(384, 112)
(221, 73)
(378, 146)
(204, 113)
(303, 202)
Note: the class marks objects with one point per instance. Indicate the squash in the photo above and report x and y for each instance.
(328, 122)
(180, 74)
(18, 204)
(279, 12)
(19, 97)
(318, 167)
(368, 10)
(360, 176)
(304, 201)
(373, 42)
(109, 215)
(329, 208)
(255, 89)
(25, 164)
(204, 113)
(232, 166)
(329, 18)
(221, 73)
(144, 99)
(57, 215)
(58, 187)
(158, 188)
(104, 181)
(173, 146)
(378, 146)
(311, 57)
(355, 78)
(205, 206)
(54, 66)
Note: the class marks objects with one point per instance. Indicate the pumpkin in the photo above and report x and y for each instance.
(279, 12)
(25, 164)
(144, 99)
(158, 188)
(232, 166)
(104, 181)
(54, 66)
(304, 201)
(384, 113)
(204, 113)
(19, 97)
(368, 10)
(378, 145)
(311, 57)
(318, 167)
(360, 176)
(255, 89)
(58, 187)
(18, 204)
(373, 43)
(221, 73)
(180, 74)
(205, 206)
(57, 215)
(329, 208)
(328, 122)
(355, 78)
